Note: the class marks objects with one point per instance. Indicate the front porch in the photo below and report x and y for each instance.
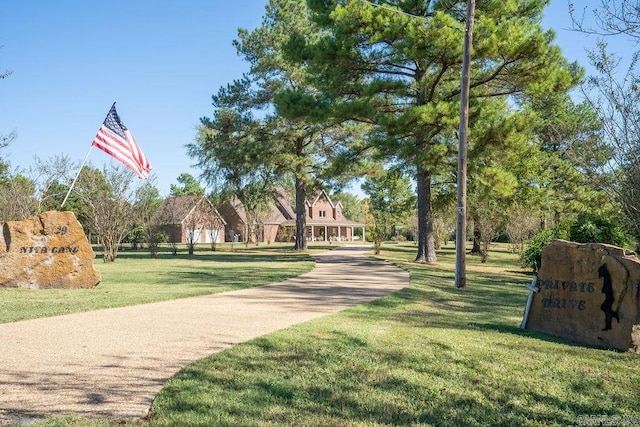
(333, 233)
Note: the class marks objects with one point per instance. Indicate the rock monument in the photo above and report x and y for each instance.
(589, 294)
(46, 251)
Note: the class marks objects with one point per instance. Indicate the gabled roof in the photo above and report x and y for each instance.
(282, 212)
(319, 194)
(278, 210)
(176, 209)
(236, 206)
(285, 204)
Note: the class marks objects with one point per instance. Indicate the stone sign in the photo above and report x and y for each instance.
(47, 251)
(589, 294)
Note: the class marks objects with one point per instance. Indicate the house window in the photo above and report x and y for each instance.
(322, 214)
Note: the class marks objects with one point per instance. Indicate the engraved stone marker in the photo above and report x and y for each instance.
(46, 251)
(589, 294)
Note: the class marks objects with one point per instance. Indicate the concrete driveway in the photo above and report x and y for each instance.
(111, 363)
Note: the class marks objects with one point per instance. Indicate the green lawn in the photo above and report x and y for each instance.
(427, 355)
(135, 278)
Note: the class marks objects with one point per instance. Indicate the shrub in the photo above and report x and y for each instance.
(532, 255)
(590, 228)
(587, 228)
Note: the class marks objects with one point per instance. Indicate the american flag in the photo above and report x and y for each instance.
(115, 139)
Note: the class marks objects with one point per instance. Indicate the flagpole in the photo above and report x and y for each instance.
(76, 178)
(81, 166)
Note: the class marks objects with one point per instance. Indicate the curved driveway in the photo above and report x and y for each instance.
(111, 363)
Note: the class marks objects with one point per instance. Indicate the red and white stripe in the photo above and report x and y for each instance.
(127, 151)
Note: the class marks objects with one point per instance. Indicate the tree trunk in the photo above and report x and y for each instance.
(426, 243)
(301, 217)
(476, 250)
(110, 250)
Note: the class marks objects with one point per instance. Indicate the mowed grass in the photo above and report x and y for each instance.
(428, 355)
(136, 278)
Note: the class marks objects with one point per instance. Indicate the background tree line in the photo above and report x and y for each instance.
(377, 83)
(344, 90)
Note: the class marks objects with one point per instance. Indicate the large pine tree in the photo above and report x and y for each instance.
(248, 140)
(397, 64)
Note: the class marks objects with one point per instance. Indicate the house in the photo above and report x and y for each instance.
(326, 221)
(277, 222)
(269, 224)
(190, 219)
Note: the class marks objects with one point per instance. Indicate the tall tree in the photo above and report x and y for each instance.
(147, 202)
(397, 64)
(351, 205)
(5, 140)
(569, 136)
(614, 93)
(15, 189)
(234, 151)
(390, 203)
(501, 138)
(201, 217)
(188, 186)
(110, 196)
(18, 198)
(609, 18)
(296, 147)
(52, 177)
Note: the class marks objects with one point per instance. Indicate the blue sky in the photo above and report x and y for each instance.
(161, 61)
